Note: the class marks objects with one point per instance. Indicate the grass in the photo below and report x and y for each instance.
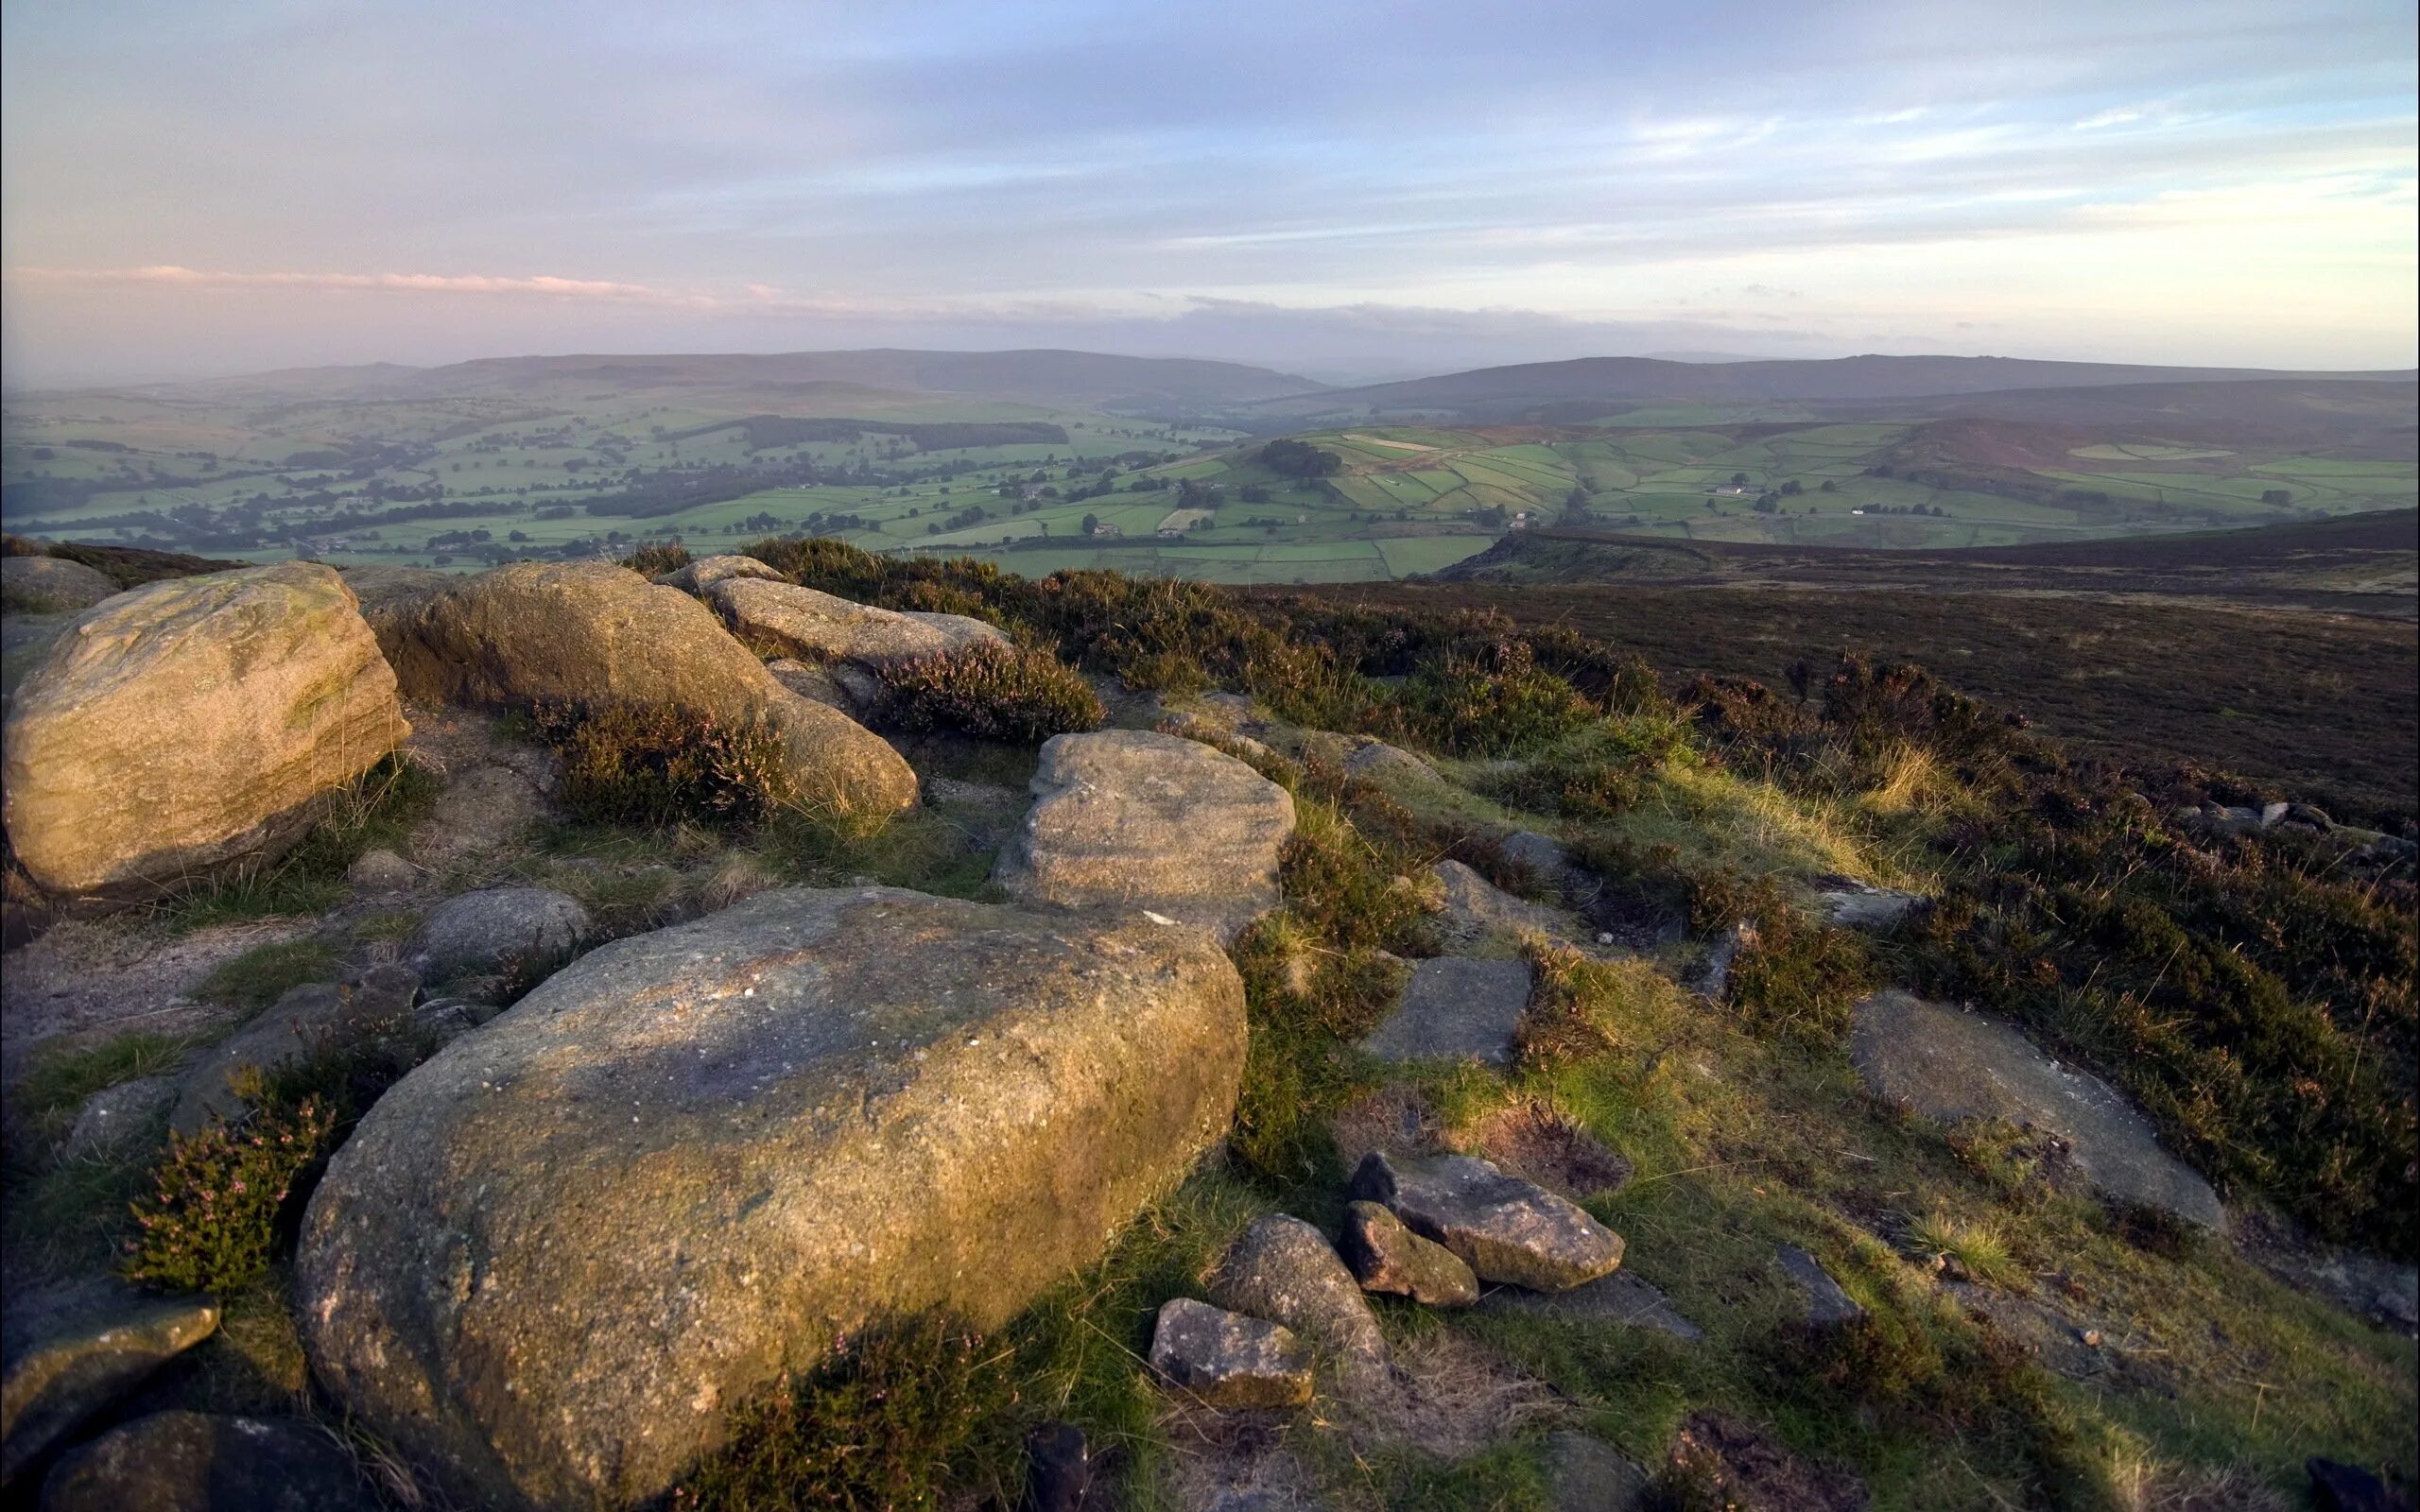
(378, 808)
(257, 978)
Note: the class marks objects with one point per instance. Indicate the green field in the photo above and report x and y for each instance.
(554, 470)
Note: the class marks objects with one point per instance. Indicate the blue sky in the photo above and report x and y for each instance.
(1341, 189)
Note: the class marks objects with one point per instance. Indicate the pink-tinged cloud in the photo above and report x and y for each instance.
(544, 284)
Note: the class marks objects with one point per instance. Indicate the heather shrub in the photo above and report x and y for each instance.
(989, 691)
(653, 763)
(655, 560)
(210, 1222)
(1495, 701)
(1794, 976)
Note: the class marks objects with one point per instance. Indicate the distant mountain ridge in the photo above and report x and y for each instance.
(1038, 376)
(1509, 392)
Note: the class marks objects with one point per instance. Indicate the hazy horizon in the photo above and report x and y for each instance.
(1348, 193)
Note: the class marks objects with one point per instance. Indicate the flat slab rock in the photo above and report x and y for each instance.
(1620, 1297)
(552, 1258)
(1505, 1228)
(1477, 911)
(1456, 1006)
(1950, 1064)
(1142, 821)
(1826, 1304)
(1863, 908)
(1227, 1361)
(301, 1021)
(806, 622)
(71, 1352)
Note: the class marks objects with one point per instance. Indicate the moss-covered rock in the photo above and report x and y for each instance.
(552, 1258)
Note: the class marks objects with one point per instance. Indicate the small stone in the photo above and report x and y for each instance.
(1505, 1228)
(72, 1352)
(1387, 1257)
(1284, 1270)
(2273, 815)
(1714, 974)
(1456, 1006)
(1541, 853)
(2091, 1339)
(1827, 1305)
(1378, 761)
(1227, 1361)
(379, 870)
(1476, 910)
(1059, 1469)
(198, 1462)
(115, 1115)
(1869, 908)
(304, 1020)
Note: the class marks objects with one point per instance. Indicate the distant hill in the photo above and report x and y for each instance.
(1577, 390)
(1083, 380)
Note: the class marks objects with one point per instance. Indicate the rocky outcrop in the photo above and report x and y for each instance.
(1456, 1006)
(1139, 820)
(50, 584)
(114, 1117)
(552, 1258)
(1858, 906)
(200, 1462)
(818, 627)
(1505, 1228)
(190, 724)
(72, 1352)
(1477, 912)
(519, 932)
(594, 633)
(1227, 1361)
(307, 1020)
(1950, 1065)
(1387, 1257)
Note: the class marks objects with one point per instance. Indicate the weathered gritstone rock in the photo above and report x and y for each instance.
(822, 684)
(525, 932)
(307, 1020)
(1477, 911)
(1827, 1304)
(1586, 1474)
(1948, 1064)
(1456, 1006)
(594, 633)
(820, 627)
(379, 870)
(1136, 819)
(1387, 1257)
(72, 1352)
(190, 724)
(1228, 1361)
(1621, 1298)
(707, 571)
(1505, 1228)
(198, 1462)
(553, 1257)
(50, 584)
(114, 1116)
(1382, 763)
(1284, 1270)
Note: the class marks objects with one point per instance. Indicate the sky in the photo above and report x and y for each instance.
(1345, 190)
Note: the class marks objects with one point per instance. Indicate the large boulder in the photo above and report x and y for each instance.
(50, 584)
(1136, 819)
(595, 633)
(200, 1462)
(1951, 1065)
(819, 626)
(70, 1353)
(554, 1257)
(193, 724)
